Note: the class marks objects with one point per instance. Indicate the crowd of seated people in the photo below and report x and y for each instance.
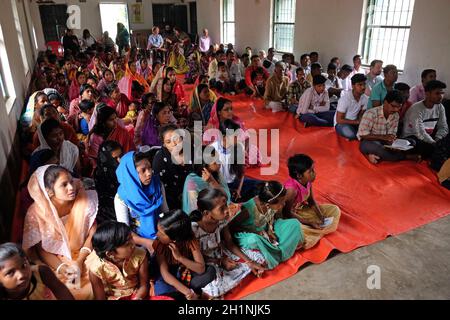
(113, 210)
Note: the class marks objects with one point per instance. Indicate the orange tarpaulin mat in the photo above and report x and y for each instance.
(375, 201)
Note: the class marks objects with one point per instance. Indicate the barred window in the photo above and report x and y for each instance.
(6, 79)
(386, 31)
(283, 25)
(228, 25)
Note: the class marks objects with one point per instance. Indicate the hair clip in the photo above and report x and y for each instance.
(161, 215)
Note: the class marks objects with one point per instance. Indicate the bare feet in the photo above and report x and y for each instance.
(372, 158)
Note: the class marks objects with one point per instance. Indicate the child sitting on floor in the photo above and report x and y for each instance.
(317, 220)
(118, 270)
(259, 82)
(223, 82)
(180, 260)
(132, 114)
(232, 264)
(19, 280)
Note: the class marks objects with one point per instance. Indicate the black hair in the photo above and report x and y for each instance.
(176, 225)
(167, 128)
(45, 107)
(52, 58)
(388, 68)
(38, 159)
(38, 96)
(137, 87)
(166, 80)
(299, 164)
(92, 77)
(206, 201)
(51, 175)
(334, 59)
(103, 114)
(298, 69)
(201, 87)
(394, 95)
(221, 102)
(48, 125)
(332, 66)
(245, 55)
(168, 69)
(220, 52)
(85, 87)
(197, 167)
(155, 63)
(314, 53)
(9, 250)
(259, 70)
(78, 74)
(303, 56)
(86, 105)
(426, 72)
(401, 86)
(357, 78)
(316, 65)
(434, 84)
(221, 64)
(107, 70)
(109, 236)
(319, 79)
(270, 192)
(141, 156)
(356, 57)
(158, 107)
(374, 62)
(109, 89)
(254, 56)
(347, 68)
(146, 98)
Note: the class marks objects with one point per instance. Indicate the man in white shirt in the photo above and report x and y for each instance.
(205, 41)
(344, 78)
(357, 66)
(351, 108)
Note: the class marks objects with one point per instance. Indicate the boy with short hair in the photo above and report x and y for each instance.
(314, 105)
(425, 121)
(350, 108)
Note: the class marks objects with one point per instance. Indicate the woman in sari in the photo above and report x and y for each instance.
(74, 89)
(317, 220)
(30, 119)
(202, 102)
(140, 197)
(51, 136)
(223, 110)
(116, 100)
(108, 79)
(148, 124)
(203, 176)
(168, 97)
(259, 227)
(107, 128)
(177, 61)
(97, 66)
(86, 92)
(144, 70)
(177, 87)
(59, 226)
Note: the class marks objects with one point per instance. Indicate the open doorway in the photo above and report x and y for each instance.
(111, 14)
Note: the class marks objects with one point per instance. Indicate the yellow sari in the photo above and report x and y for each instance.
(178, 63)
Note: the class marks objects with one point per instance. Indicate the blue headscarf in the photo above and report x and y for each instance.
(144, 202)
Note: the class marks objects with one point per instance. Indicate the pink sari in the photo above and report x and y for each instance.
(62, 238)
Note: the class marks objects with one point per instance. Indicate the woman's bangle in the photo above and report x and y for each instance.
(59, 267)
(86, 249)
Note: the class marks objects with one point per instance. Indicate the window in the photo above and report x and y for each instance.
(228, 26)
(7, 84)
(20, 37)
(111, 14)
(283, 25)
(386, 31)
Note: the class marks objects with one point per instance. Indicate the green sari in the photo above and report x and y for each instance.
(192, 187)
(288, 232)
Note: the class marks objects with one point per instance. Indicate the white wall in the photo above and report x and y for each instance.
(208, 16)
(8, 120)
